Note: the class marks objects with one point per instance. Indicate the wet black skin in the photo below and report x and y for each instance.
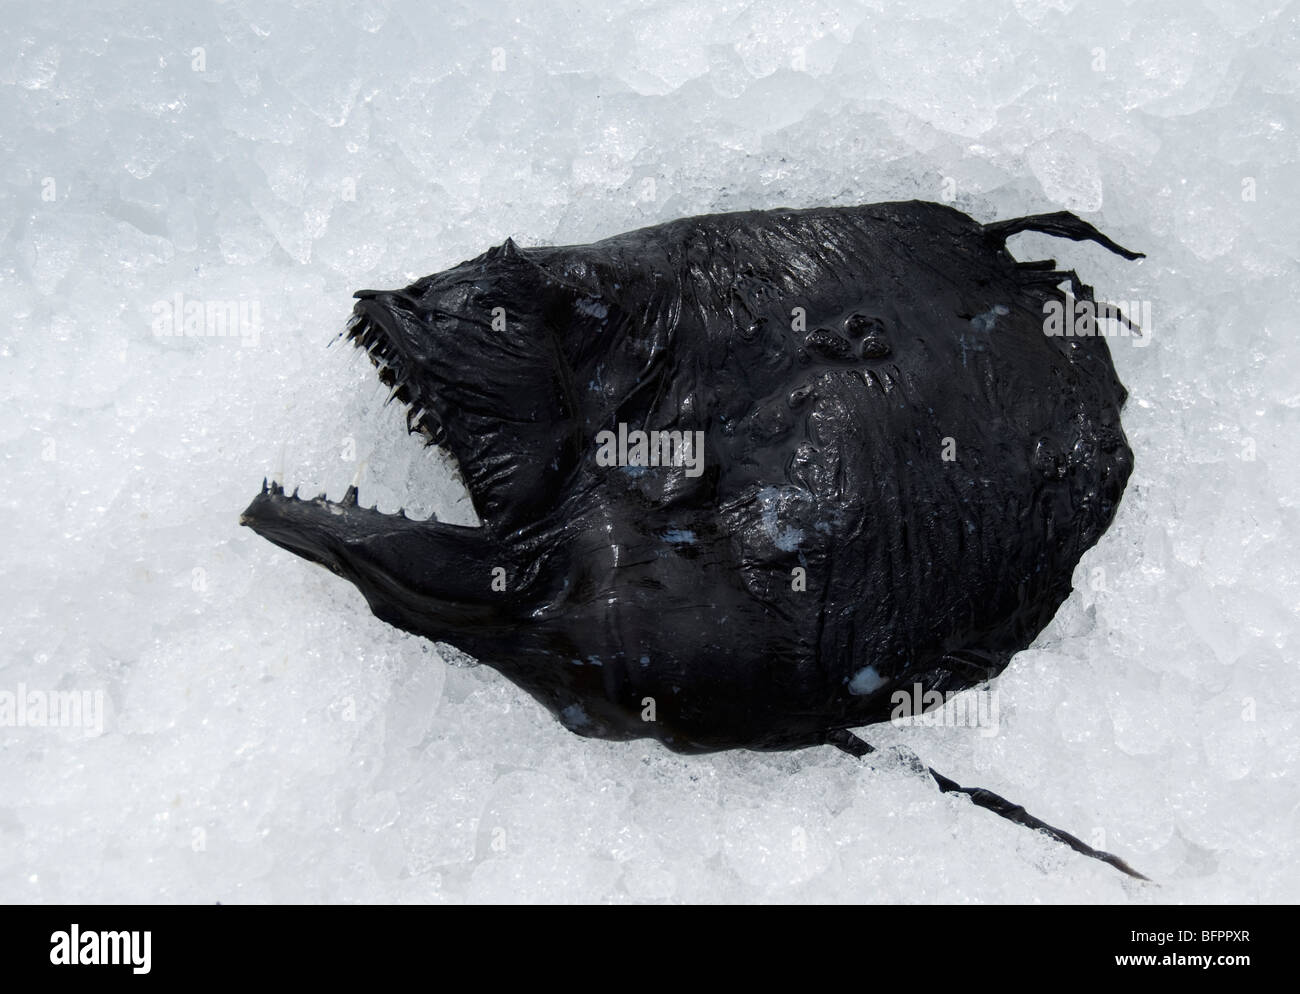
(917, 446)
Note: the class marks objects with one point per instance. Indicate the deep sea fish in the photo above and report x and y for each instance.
(743, 479)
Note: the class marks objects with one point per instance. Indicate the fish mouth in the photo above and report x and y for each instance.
(388, 328)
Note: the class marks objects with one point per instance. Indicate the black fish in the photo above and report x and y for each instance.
(875, 469)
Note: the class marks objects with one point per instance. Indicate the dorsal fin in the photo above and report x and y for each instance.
(1063, 224)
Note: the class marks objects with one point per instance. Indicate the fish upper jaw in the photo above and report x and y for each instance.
(388, 327)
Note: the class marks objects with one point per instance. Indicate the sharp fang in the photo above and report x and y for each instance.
(351, 496)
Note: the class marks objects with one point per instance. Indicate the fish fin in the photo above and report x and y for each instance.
(1107, 310)
(1051, 277)
(1062, 224)
(854, 746)
(1032, 272)
(842, 738)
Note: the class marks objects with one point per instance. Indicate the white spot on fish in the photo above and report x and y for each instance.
(784, 537)
(593, 306)
(986, 321)
(866, 681)
(574, 718)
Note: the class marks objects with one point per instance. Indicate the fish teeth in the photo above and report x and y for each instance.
(352, 495)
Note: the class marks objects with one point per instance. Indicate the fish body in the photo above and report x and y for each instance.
(742, 477)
